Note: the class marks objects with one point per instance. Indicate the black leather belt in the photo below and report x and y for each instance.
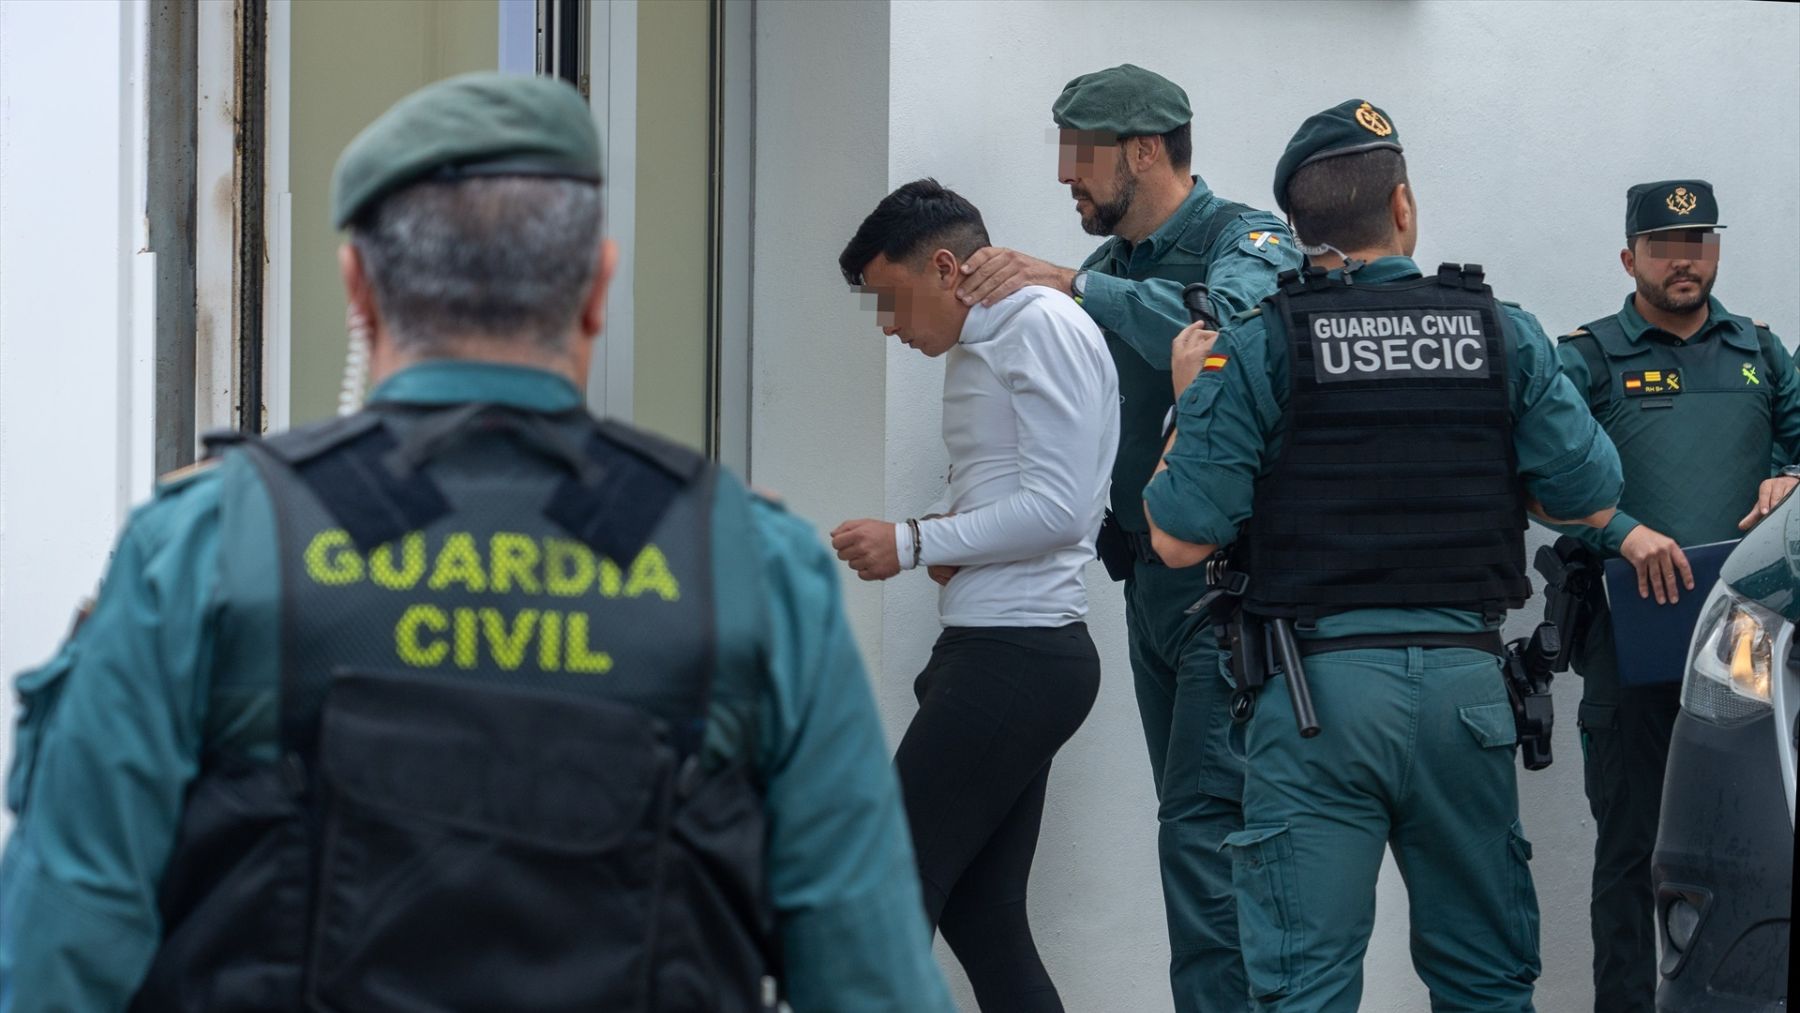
(1489, 641)
(1142, 547)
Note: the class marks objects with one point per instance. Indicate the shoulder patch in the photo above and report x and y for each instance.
(1265, 244)
(1579, 332)
(182, 476)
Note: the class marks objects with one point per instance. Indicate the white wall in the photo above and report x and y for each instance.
(1524, 125)
(76, 346)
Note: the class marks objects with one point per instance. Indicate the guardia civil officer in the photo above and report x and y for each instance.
(1126, 141)
(1704, 406)
(468, 701)
(1359, 441)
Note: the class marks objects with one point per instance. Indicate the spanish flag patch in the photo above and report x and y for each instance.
(1214, 363)
(1259, 238)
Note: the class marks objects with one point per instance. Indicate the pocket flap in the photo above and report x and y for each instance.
(549, 769)
(1252, 836)
(1491, 724)
(1597, 715)
(34, 682)
(38, 689)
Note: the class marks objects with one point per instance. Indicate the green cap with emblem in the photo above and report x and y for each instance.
(1344, 129)
(1126, 101)
(1670, 204)
(482, 124)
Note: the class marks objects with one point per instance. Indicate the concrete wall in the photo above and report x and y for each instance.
(1524, 125)
(817, 364)
(77, 346)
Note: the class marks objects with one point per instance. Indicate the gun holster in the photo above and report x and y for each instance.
(1114, 549)
(1573, 595)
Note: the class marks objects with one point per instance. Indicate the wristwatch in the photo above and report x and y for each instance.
(1791, 471)
(1078, 285)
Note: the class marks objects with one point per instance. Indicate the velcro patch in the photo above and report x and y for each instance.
(1397, 344)
(1645, 382)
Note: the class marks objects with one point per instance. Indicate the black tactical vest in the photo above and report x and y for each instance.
(497, 658)
(1397, 486)
(1145, 392)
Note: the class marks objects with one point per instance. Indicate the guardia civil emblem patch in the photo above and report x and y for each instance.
(1681, 201)
(1372, 121)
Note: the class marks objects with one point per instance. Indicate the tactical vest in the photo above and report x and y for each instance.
(497, 658)
(1145, 392)
(1693, 423)
(1397, 486)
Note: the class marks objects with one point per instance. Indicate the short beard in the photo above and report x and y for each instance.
(1659, 297)
(1106, 217)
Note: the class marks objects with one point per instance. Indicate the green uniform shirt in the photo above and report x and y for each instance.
(1231, 424)
(178, 661)
(1699, 423)
(1134, 293)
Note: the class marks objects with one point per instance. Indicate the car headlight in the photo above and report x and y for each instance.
(1732, 660)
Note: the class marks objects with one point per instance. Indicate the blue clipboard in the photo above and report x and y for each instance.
(1652, 640)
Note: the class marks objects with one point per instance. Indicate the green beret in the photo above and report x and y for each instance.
(1125, 101)
(1670, 204)
(1344, 129)
(482, 124)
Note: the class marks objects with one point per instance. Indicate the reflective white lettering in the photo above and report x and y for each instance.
(1419, 350)
(1475, 360)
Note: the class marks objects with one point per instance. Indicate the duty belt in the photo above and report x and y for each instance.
(1488, 642)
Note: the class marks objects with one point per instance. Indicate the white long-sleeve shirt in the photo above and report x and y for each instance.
(1031, 421)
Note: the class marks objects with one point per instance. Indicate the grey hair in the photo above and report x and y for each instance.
(505, 259)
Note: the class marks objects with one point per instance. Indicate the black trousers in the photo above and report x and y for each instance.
(995, 704)
(1625, 733)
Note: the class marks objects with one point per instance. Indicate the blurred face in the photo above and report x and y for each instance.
(917, 302)
(1674, 270)
(1094, 167)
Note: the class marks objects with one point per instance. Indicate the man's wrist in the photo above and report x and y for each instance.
(904, 545)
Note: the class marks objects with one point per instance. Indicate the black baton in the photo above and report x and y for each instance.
(1287, 651)
(1198, 300)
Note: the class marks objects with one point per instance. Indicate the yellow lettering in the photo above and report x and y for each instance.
(610, 578)
(514, 558)
(568, 567)
(550, 642)
(650, 572)
(575, 645)
(331, 560)
(508, 646)
(458, 563)
(406, 636)
(465, 638)
(412, 563)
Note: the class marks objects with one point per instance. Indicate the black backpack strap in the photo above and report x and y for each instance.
(351, 465)
(615, 507)
(1222, 217)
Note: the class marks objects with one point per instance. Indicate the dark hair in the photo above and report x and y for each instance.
(1179, 144)
(917, 218)
(506, 258)
(1343, 201)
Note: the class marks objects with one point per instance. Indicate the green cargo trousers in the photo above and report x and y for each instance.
(1415, 753)
(1625, 733)
(1184, 701)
